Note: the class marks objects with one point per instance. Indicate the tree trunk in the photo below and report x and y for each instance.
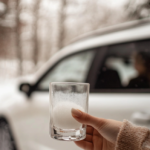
(18, 40)
(62, 17)
(35, 36)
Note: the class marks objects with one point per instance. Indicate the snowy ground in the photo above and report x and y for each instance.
(9, 69)
(9, 75)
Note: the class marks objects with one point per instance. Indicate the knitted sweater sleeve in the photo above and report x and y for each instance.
(133, 137)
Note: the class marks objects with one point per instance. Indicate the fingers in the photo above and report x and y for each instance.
(89, 130)
(89, 138)
(106, 128)
(84, 145)
(87, 119)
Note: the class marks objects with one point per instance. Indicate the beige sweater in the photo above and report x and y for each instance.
(133, 137)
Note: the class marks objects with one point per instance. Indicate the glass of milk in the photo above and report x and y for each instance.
(63, 97)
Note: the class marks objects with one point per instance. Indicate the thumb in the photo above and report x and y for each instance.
(109, 129)
(87, 119)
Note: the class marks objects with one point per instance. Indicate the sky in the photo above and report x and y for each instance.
(114, 3)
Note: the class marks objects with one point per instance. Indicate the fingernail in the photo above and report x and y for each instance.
(76, 112)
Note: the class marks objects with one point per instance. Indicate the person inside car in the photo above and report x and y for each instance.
(142, 65)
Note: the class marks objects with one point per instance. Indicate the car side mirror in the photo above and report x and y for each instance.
(26, 88)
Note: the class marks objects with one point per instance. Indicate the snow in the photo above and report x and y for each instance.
(62, 116)
(9, 69)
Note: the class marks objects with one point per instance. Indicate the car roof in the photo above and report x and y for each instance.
(112, 29)
(135, 30)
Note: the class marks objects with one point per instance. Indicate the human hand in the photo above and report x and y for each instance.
(101, 134)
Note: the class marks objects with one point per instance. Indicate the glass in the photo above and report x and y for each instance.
(69, 68)
(63, 97)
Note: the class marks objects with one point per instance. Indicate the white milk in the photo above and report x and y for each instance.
(62, 116)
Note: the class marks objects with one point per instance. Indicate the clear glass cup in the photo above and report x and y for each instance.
(63, 97)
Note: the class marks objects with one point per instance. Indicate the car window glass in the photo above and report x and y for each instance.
(125, 71)
(71, 69)
(125, 66)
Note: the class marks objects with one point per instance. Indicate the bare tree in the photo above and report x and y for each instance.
(62, 17)
(48, 41)
(35, 36)
(138, 9)
(18, 40)
(93, 15)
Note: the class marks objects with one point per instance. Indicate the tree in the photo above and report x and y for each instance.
(138, 9)
(18, 40)
(35, 36)
(62, 17)
(91, 15)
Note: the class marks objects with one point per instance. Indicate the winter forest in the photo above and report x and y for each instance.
(31, 31)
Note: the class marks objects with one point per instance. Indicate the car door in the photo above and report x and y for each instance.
(112, 96)
(72, 68)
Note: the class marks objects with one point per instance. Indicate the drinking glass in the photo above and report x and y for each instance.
(63, 97)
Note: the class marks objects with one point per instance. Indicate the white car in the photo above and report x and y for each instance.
(103, 59)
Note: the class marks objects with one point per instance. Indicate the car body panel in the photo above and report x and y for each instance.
(31, 118)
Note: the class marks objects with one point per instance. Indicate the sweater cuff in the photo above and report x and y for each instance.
(131, 137)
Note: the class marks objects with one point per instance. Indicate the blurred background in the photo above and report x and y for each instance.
(31, 31)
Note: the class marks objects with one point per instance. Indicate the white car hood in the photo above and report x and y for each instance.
(7, 89)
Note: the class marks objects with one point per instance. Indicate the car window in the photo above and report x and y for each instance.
(70, 69)
(126, 66)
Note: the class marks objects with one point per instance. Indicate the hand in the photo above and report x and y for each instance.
(101, 134)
